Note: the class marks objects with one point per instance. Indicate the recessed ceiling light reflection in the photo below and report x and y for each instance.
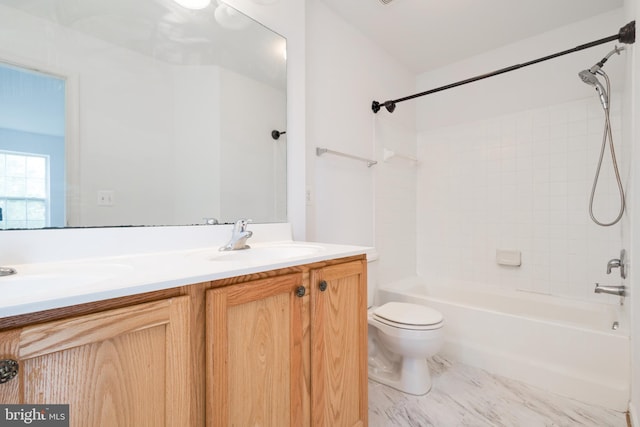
(193, 4)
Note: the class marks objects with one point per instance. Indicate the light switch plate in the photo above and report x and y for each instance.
(106, 197)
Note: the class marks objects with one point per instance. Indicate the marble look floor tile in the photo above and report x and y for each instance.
(466, 396)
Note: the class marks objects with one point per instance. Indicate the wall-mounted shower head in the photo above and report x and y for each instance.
(590, 78)
(599, 65)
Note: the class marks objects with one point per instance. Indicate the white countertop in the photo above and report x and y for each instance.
(47, 285)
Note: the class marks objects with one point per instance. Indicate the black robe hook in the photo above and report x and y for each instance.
(275, 134)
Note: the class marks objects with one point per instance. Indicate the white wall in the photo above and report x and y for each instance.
(123, 120)
(248, 150)
(351, 203)
(540, 85)
(197, 115)
(631, 122)
(513, 167)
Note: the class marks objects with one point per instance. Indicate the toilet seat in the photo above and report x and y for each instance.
(408, 316)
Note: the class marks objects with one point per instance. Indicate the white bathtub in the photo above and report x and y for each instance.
(564, 346)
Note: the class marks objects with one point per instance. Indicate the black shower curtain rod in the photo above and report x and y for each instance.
(627, 35)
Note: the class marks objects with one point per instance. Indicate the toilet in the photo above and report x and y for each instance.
(401, 336)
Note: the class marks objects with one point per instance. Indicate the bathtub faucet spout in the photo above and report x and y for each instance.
(613, 290)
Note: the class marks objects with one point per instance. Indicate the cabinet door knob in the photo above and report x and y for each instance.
(8, 370)
(300, 291)
(323, 286)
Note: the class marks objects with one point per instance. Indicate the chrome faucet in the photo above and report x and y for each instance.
(613, 290)
(239, 236)
(7, 271)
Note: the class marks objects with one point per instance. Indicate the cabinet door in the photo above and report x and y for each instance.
(124, 367)
(254, 353)
(339, 345)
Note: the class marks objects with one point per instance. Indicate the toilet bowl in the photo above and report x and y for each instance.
(401, 336)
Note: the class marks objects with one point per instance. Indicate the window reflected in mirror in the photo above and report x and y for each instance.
(32, 149)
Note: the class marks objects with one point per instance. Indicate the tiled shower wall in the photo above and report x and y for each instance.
(521, 182)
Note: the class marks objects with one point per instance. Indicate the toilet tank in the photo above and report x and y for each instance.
(372, 276)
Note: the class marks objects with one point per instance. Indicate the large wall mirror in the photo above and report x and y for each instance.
(139, 112)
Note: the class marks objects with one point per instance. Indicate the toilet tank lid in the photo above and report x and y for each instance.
(408, 314)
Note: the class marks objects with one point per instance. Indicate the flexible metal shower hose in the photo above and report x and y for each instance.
(607, 135)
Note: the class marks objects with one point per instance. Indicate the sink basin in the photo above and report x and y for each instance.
(261, 253)
(43, 282)
(59, 277)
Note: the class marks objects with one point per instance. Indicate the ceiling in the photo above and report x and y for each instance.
(428, 34)
(167, 32)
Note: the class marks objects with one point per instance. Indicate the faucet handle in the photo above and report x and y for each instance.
(613, 263)
(618, 263)
(241, 224)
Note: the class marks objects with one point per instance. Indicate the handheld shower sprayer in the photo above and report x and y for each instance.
(590, 78)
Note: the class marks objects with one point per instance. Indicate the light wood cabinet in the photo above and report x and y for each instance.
(290, 350)
(276, 348)
(123, 367)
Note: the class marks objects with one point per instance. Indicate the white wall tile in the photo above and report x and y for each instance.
(521, 181)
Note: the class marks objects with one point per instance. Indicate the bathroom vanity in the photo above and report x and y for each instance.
(283, 343)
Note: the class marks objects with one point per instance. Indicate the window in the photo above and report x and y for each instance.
(32, 148)
(24, 190)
